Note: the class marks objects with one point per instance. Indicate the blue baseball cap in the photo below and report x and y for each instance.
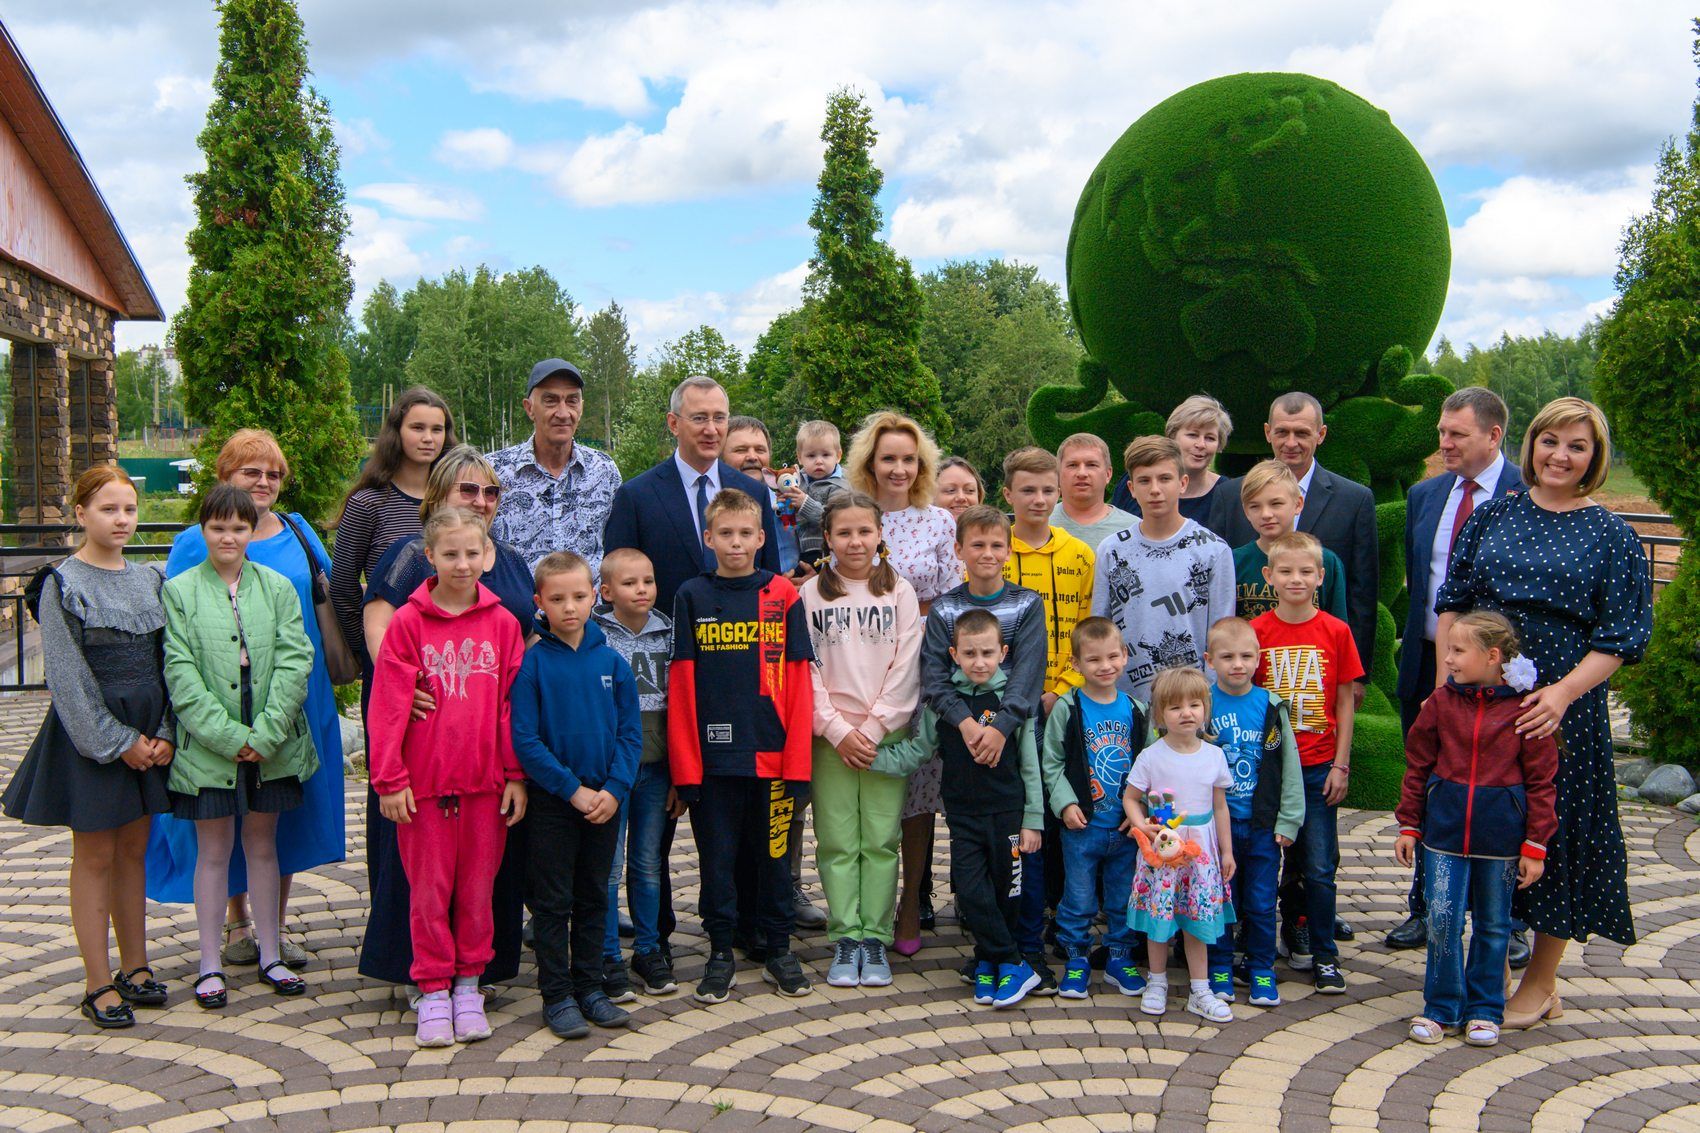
(553, 368)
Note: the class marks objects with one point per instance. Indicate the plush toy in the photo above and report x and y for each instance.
(1168, 848)
(788, 480)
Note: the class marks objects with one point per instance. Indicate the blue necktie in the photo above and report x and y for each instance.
(702, 520)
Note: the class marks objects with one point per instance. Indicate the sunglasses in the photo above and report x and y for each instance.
(270, 475)
(470, 491)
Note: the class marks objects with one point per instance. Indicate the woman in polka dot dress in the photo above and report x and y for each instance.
(893, 460)
(1572, 577)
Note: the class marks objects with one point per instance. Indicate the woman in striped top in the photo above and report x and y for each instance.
(383, 505)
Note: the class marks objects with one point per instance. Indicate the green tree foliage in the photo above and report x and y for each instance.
(610, 364)
(477, 337)
(771, 387)
(378, 352)
(860, 348)
(259, 335)
(1526, 372)
(1649, 382)
(138, 377)
(993, 333)
(641, 438)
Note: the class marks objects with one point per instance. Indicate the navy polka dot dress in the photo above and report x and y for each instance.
(1572, 583)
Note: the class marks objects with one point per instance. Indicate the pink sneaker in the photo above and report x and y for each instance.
(435, 1025)
(470, 1022)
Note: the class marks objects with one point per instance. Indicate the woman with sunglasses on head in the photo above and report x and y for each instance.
(460, 478)
(311, 835)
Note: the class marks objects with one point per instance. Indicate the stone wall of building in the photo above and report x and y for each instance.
(64, 405)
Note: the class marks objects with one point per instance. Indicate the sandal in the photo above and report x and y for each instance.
(212, 1000)
(1426, 1030)
(1481, 1032)
(242, 951)
(148, 993)
(107, 1018)
(290, 985)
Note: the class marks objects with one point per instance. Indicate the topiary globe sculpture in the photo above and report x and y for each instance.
(1253, 235)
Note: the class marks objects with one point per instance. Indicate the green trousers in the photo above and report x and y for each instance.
(857, 835)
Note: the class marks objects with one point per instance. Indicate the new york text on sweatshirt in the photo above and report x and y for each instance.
(469, 661)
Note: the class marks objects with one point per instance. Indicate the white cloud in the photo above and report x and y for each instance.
(421, 202)
(1530, 226)
(741, 315)
(484, 148)
(357, 136)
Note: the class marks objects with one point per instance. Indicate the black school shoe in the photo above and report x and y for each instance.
(139, 993)
(1518, 953)
(753, 948)
(785, 972)
(107, 1018)
(1047, 984)
(599, 1009)
(1413, 933)
(1343, 930)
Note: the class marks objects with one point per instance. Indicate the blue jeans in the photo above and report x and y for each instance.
(1456, 991)
(638, 848)
(1257, 866)
(1098, 866)
(1318, 847)
(1030, 925)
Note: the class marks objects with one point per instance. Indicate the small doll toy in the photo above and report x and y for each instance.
(788, 480)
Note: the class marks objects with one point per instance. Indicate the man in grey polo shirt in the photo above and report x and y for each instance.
(556, 493)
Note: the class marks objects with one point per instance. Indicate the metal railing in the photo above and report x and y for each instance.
(1650, 545)
(24, 549)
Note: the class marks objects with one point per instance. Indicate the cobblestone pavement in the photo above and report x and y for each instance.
(916, 1055)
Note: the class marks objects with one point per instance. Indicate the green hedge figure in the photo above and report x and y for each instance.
(1253, 235)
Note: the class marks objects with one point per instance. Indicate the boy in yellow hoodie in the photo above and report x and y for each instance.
(1059, 567)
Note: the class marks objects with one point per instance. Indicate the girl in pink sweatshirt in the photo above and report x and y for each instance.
(450, 781)
(866, 626)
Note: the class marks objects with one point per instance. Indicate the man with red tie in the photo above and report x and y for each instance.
(1472, 425)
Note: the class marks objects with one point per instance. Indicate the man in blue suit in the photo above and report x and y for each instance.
(660, 512)
(1472, 427)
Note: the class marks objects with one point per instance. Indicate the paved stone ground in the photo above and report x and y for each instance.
(916, 1055)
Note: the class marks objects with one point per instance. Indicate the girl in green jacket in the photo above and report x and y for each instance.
(237, 658)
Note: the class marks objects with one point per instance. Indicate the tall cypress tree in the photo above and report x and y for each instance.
(1648, 380)
(269, 283)
(861, 349)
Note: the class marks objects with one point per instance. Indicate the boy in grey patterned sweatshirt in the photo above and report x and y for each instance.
(1164, 581)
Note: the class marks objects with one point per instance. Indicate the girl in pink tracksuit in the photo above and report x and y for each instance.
(450, 781)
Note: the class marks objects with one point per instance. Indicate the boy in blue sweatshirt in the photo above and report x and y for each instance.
(578, 735)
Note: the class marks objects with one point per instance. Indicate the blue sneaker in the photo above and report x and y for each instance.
(1014, 982)
(1222, 983)
(1123, 975)
(1264, 992)
(985, 981)
(1077, 979)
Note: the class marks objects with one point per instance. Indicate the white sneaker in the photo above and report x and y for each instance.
(1155, 1001)
(1209, 1005)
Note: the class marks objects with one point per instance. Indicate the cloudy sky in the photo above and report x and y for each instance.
(663, 155)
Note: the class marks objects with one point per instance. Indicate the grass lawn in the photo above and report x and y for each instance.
(1623, 481)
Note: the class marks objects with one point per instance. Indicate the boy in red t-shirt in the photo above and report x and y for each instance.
(1308, 658)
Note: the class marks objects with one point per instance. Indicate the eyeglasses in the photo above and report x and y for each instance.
(270, 475)
(470, 491)
(698, 420)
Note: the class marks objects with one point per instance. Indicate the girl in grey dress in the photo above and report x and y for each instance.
(98, 764)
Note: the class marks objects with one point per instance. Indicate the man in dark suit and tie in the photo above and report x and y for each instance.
(1341, 514)
(660, 512)
(1338, 511)
(1472, 426)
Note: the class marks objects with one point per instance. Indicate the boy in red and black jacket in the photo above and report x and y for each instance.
(739, 728)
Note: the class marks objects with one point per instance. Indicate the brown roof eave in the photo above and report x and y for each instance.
(50, 146)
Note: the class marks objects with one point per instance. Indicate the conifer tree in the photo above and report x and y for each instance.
(269, 286)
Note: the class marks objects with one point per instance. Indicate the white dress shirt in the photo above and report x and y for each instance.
(1304, 490)
(1440, 553)
(689, 475)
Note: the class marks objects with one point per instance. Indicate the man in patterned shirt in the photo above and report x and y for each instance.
(556, 493)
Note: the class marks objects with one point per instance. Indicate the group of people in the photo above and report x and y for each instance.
(1142, 712)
